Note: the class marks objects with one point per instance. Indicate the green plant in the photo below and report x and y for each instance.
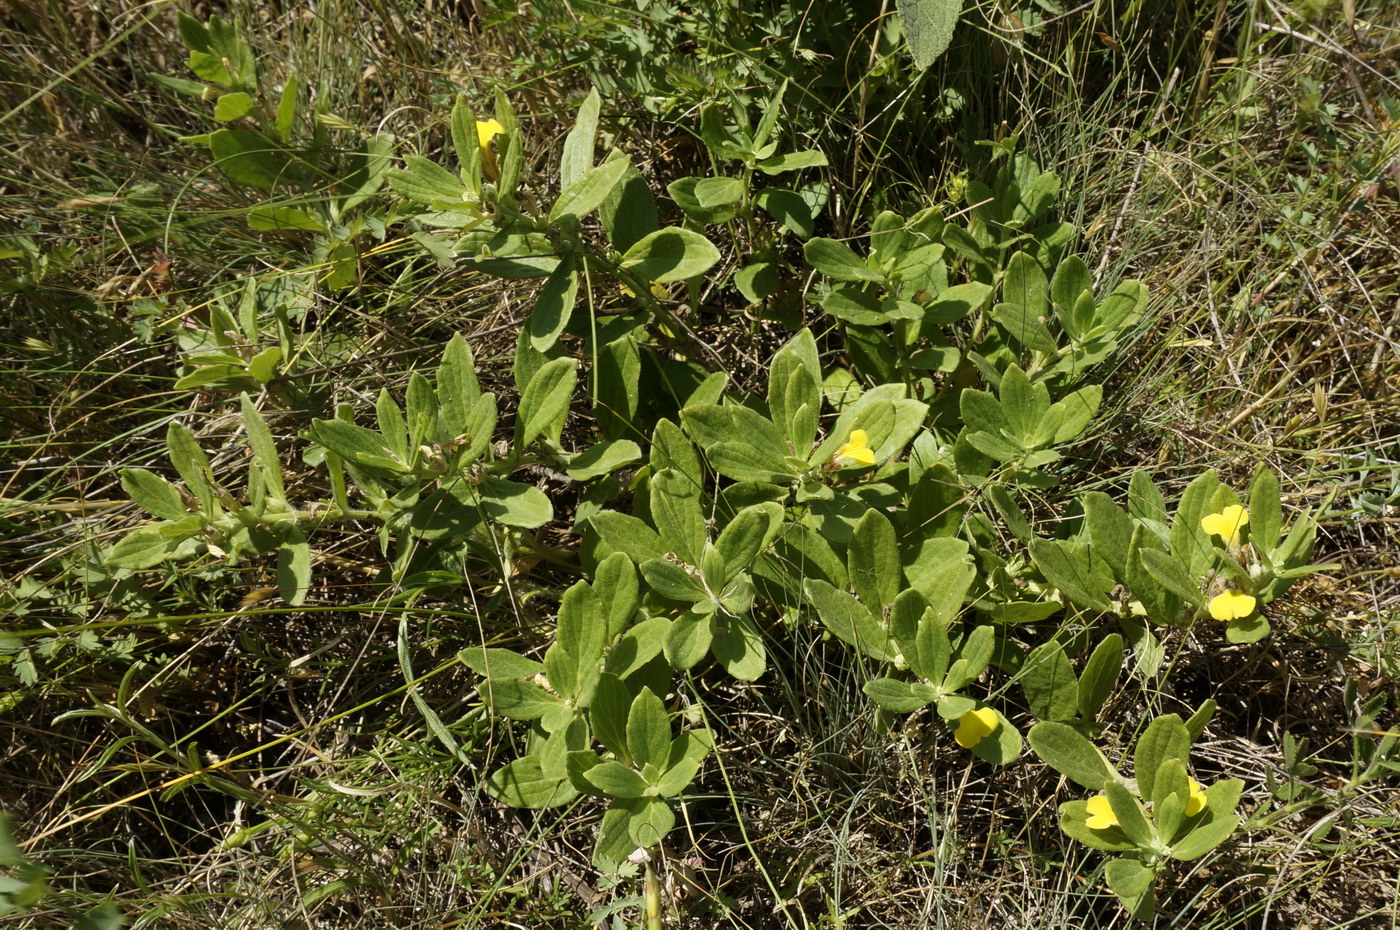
(1160, 815)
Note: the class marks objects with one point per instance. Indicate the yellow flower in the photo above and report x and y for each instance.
(856, 451)
(1227, 523)
(1100, 812)
(1197, 802)
(976, 725)
(1231, 606)
(486, 130)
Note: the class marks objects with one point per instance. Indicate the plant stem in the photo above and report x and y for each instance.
(652, 893)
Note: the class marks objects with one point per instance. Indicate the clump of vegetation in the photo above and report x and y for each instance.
(822, 483)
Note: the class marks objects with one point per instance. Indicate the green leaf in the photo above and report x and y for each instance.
(792, 161)
(847, 619)
(629, 212)
(627, 534)
(518, 699)
(1079, 409)
(1025, 326)
(103, 917)
(615, 581)
(905, 616)
(741, 443)
(1247, 630)
(248, 158)
(515, 504)
(179, 85)
(837, 261)
(1049, 683)
(153, 493)
(873, 562)
(230, 107)
(603, 459)
(1072, 817)
(192, 465)
(554, 306)
(1024, 284)
(928, 27)
(578, 144)
(1165, 738)
(263, 366)
(747, 535)
(1010, 512)
(739, 648)
(287, 107)
(1023, 404)
(1121, 308)
(1070, 753)
(614, 843)
(901, 697)
(1265, 510)
(1070, 568)
(1221, 825)
(957, 302)
(788, 208)
(427, 182)
(357, 445)
(675, 509)
(638, 646)
(757, 282)
(672, 581)
(1100, 676)
(511, 143)
(498, 663)
(581, 630)
(973, 657)
(982, 412)
(1110, 531)
(544, 404)
(718, 192)
(648, 730)
(294, 567)
(671, 254)
(457, 387)
(616, 780)
(1169, 573)
(671, 448)
(589, 190)
(650, 822)
(1002, 746)
(686, 192)
(1132, 819)
(688, 641)
(941, 569)
(265, 457)
(1145, 502)
(391, 424)
(687, 753)
(1132, 882)
(745, 462)
(607, 714)
(1071, 279)
(142, 548)
(1189, 542)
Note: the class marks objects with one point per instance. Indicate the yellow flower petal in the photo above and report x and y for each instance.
(1227, 523)
(1197, 802)
(1231, 606)
(856, 450)
(976, 725)
(486, 130)
(1101, 815)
